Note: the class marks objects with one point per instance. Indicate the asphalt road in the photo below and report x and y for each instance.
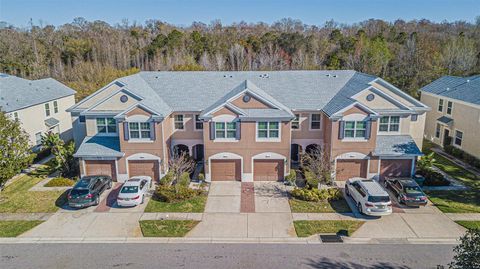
(211, 256)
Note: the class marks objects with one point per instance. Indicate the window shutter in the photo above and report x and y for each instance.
(341, 128)
(126, 134)
(368, 129)
(212, 130)
(238, 134)
(152, 130)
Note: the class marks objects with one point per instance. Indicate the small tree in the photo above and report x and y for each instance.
(425, 163)
(317, 167)
(64, 160)
(15, 153)
(467, 254)
(180, 164)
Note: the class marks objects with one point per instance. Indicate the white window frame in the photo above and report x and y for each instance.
(195, 116)
(441, 103)
(268, 138)
(107, 133)
(140, 130)
(15, 116)
(38, 141)
(455, 138)
(389, 123)
(355, 130)
(451, 107)
(297, 120)
(47, 110)
(311, 121)
(55, 107)
(225, 131)
(175, 121)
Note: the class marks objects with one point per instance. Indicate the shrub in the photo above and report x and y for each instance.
(312, 180)
(184, 180)
(467, 253)
(466, 157)
(167, 179)
(291, 177)
(60, 182)
(316, 195)
(201, 177)
(434, 178)
(170, 194)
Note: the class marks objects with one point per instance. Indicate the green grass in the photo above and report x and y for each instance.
(299, 206)
(469, 224)
(467, 201)
(14, 228)
(194, 205)
(306, 228)
(60, 182)
(16, 198)
(166, 228)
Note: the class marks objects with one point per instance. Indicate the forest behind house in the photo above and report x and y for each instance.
(87, 55)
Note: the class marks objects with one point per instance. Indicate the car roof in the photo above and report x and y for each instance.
(84, 182)
(408, 182)
(373, 187)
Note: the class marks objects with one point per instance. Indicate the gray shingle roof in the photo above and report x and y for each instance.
(445, 119)
(50, 122)
(396, 145)
(99, 146)
(464, 89)
(257, 113)
(17, 93)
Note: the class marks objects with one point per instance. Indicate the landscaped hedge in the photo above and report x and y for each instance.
(60, 182)
(316, 195)
(458, 153)
(433, 178)
(173, 194)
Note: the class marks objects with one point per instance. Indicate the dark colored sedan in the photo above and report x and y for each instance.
(407, 191)
(87, 191)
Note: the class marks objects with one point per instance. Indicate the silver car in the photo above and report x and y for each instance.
(133, 191)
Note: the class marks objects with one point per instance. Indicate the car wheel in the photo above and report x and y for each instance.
(359, 207)
(399, 199)
(109, 185)
(347, 192)
(97, 200)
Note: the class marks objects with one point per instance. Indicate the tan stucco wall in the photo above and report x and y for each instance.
(253, 103)
(392, 94)
(377, 103)
(466, 118)
(33, 118)
(114, 103)
(189, 131)
(98, 96)
(305, 132)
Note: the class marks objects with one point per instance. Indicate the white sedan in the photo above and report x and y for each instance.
(134, 190)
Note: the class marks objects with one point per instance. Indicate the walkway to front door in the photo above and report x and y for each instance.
(239, 210)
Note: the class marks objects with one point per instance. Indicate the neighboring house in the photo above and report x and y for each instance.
(248, 125)
(455, 115)
(39, 105)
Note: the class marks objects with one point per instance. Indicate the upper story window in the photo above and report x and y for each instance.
(458, 138)
(15, 115)
(440, 105)
(178, 122)
(47, 109)
(389, 124)
(268, 129)
(437, 131)
(139, 130)
(315, 121)
(449, 107)
(106, 125)
(225, 130)
(296, 122)
(55, 107)
(355, 129)
(198, 123)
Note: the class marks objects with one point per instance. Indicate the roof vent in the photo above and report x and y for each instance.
(468, 80)
(334, 76)
(448, 89)
(327, 75)
(156, 76)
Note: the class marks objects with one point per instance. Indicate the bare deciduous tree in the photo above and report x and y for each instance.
(317, 164)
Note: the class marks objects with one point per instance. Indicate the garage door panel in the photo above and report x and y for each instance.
(351, 168)
(225, 170)
(144, 168)
(100, 168)
(395, 168)
(268, 170)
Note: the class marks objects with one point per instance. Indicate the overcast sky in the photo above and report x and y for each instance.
(183, 12)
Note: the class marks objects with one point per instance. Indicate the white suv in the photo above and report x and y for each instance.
(370, 197)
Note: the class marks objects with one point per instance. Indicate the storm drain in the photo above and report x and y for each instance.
(331, 238)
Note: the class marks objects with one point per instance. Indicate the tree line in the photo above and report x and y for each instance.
(86, 55)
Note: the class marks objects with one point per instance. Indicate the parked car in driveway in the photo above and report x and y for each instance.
(370, 197)
(407, 191)
(87, 191)
(134, 190)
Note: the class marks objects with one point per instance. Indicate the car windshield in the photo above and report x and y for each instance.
(378, 199)
(413, 190)
(79, 192)
(129, 189)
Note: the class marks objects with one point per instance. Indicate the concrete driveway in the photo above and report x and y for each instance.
(223, 217)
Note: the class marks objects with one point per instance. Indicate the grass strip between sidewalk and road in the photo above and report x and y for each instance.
(306, 228)
(167, 228)
(194, 205)
(334, 206)
(469, 224)
(14, 228)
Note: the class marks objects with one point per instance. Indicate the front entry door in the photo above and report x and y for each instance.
(446, 137)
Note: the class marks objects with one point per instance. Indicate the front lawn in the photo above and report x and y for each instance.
(467, 201)
(469, 224)
(306, 228)
(332, 206)
(166, 228)
(14, 228)
(194, 205)
(16, 198)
